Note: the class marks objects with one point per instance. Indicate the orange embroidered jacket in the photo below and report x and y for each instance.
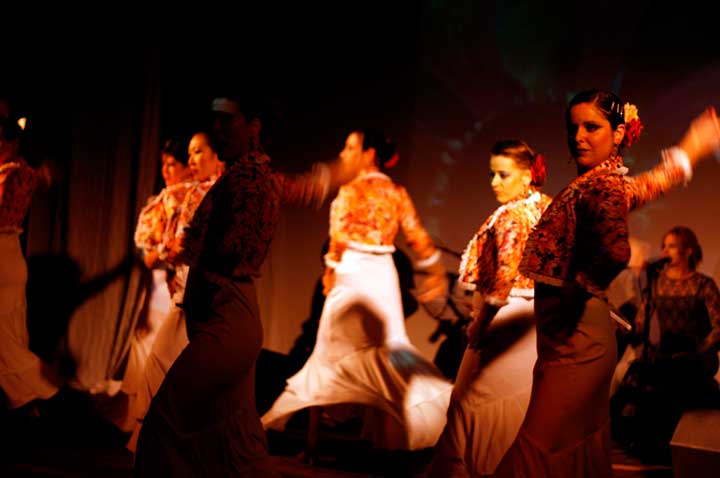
(175, 231)
(156, 215)
(17, 182)
(366, 215)
(491, 259)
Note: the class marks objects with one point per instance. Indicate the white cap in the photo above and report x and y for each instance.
(225, 105)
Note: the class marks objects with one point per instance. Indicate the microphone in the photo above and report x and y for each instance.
(654, 266)
(657, 263)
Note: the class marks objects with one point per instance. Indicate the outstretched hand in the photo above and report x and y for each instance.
(434, 285)
(342, 171)
(702, 138)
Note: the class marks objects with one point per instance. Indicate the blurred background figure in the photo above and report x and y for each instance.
(24, 378)
(150, 230)
(363, 355)
(162, 240)
(675, 364)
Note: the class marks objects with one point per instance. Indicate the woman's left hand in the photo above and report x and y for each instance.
(475, 332)
(434, 285)
(483, 314)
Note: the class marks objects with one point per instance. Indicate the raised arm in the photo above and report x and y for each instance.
(700, 141)
(435, 283)
(415, 234)
(313, 187)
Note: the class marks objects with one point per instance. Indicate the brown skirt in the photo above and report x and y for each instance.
(566, 431)
(203, 420)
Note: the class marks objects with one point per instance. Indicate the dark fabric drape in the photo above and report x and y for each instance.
(89, 291)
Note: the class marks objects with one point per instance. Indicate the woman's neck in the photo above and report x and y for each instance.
(611, 160)
(525, 195)
(678, 271)
(368, 170)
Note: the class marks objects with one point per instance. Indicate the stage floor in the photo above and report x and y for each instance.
(78, 442)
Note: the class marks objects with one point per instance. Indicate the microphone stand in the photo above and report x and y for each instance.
(652, 271)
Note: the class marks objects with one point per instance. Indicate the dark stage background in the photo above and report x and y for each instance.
(446, 79)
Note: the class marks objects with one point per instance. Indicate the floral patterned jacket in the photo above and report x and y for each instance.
(17, 182)
(583, 236)
(367, 214)
(492, 257)
(156, 215)
(183, 215)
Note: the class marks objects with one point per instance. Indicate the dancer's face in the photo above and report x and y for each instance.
(173, 171)
(672, 248)
(353, 155)
(203, 161)
(591, 138)
(233, 130)
(508, 180)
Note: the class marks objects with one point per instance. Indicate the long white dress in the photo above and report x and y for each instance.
(491, 395)
(363, 356)
(169, 342)
(22, 375)
(493, 385)
(141, 344)
(172, 336)
(362, 353)
(22, 378)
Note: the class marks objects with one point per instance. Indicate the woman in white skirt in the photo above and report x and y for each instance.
(180, 202)
(493, 386)
(149, 231)
(363, 354)
(23, 376)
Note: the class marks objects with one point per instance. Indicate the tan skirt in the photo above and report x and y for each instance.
(22, 377)
(566, 432)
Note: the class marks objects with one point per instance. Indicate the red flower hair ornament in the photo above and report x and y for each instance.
(633, 125)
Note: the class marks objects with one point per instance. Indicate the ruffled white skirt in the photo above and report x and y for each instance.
(169, 342)
(363, 356)
(490, 397)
